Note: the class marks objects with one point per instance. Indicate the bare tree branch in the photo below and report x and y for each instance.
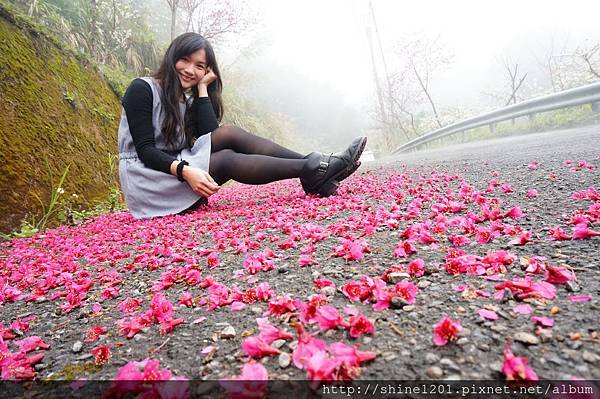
(514, 85)
(424, 85)
(587, 58)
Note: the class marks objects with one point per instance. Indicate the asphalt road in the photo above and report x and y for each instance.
(575, 143)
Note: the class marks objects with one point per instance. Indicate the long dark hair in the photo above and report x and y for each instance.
(172, 92)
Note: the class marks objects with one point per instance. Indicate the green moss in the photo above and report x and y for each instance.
(41, 131)
(73, 371)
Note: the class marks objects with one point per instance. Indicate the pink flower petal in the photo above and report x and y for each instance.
(543, 321)
(523, 309)
(488, 314)
(580, 298)
(237, 306)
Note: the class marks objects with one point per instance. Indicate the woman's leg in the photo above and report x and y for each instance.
(239, 140)
(253, 168)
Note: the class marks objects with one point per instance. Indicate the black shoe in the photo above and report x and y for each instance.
(333, 168)
(352, 155)
(318, 183)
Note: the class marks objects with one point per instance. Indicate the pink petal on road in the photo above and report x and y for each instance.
(543, 321)
(237, 306)
(523, 309)
(580, 298)
(488, 314)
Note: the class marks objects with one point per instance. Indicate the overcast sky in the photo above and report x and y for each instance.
(325, 40)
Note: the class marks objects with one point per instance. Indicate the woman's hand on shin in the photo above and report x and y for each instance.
(200, 181)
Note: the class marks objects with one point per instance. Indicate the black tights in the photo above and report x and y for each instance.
(247, 158)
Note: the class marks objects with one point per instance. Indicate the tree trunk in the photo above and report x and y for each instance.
(173, 4)
(93, 30)
(32, 7)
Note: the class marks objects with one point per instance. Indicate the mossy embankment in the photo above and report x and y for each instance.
(55, 110)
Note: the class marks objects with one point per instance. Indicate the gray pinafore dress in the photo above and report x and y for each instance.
(150, 192)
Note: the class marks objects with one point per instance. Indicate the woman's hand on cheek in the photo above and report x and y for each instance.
(200, 181)
(208, 77)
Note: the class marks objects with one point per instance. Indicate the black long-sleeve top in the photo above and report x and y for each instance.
(137, 103)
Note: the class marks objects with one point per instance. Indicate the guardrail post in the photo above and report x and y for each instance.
(492, 128)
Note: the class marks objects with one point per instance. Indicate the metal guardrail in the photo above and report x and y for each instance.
(588, 94)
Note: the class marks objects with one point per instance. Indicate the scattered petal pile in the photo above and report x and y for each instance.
(217, 260)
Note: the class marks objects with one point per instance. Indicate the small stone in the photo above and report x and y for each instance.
(395, 277)
(431, 358)
(85, 356)
(554, 310)
(315, 274)
(77, 346)
(460, 309)
(283, 270)
(423, 283)
(571, 354)
(545, 334)
(496, 366)
(504, 315)
(555, 359)
(278, 343)
(498, 328)
(138, 337)
(256, 309)
(526, 338)
(408, 308)
(572, 286)
(582, 369)
(449, 364)
(484, 347)
(431, 269)
(465, 332)
(389, 356)
(405, 353)
(590, 357)
(284, 359)
(228, 332)
(398, 303)
(434, 372)
(575, 344)
(40, 366)
(462, 341)
(328, 291)
(367, 340)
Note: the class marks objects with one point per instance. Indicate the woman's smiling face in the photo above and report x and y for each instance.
(191, 69)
